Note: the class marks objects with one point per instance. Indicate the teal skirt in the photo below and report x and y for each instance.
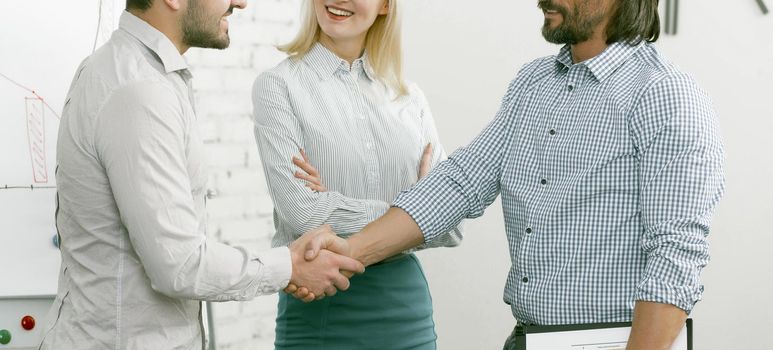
(387, 307)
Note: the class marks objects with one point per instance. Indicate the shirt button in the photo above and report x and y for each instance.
(570, 87)
(552, 131)
(543, 181)
(525, 280)
(528, 230)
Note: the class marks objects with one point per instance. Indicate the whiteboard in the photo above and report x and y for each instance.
(43, 42)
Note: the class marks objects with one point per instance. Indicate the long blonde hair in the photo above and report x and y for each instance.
(383, 44)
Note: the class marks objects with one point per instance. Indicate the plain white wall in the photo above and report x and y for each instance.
(463, 55)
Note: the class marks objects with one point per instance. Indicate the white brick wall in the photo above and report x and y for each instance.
(240, 210)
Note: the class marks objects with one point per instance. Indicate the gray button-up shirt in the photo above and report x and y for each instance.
(131, 192)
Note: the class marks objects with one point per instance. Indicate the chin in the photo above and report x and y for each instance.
(334, 32)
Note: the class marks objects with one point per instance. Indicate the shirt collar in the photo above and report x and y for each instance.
(605, 63)
(326, 63)
(153, 40)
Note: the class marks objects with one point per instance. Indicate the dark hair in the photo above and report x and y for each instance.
(141, 5)
(634, 21)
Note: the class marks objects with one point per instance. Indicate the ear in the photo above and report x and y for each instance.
(175, 5)
(385, 9)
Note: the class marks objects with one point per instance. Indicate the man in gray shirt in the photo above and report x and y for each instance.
(131, 196)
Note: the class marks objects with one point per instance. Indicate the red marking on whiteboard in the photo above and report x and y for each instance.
(36, 137)
(33, 93)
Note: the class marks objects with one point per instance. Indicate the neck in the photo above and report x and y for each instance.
(162, 23)
(592, 47)
(347, 49)
(586, 50)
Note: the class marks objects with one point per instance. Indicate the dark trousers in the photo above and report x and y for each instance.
(510, 342)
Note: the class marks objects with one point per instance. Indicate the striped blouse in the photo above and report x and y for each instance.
(366, 143)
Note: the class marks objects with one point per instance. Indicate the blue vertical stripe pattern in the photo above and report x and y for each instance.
(365, 141)
(609, 171)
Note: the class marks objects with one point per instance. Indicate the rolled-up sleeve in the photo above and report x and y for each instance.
(466, 183)
(143, 149)
(279, 138)
(453, 237)
(675, 130)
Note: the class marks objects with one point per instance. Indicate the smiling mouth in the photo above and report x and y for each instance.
(548, 8)
(339, 12)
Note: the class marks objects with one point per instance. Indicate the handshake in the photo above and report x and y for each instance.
(321, 265)
(322, 261)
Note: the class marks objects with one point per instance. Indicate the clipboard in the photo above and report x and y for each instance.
(591, 336)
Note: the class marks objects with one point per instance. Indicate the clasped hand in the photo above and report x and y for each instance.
(325, 269)
(323, 247)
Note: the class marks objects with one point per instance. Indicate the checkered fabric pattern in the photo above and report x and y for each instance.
(609, 171)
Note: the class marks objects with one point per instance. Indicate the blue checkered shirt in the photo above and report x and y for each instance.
(609, 171)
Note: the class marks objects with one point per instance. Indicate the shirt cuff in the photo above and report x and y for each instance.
(278, 267)
(411, 209)
(654, 290)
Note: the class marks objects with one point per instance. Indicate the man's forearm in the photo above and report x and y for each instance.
(392, 233)
(655, 326)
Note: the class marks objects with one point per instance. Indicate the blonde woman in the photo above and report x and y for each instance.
(341, 98)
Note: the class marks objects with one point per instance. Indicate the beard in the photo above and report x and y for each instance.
(577, 25)
(201, 29)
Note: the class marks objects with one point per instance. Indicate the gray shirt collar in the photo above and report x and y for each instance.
(605, 63)
(153, 40)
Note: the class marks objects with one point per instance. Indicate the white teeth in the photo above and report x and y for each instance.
(338, 12)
